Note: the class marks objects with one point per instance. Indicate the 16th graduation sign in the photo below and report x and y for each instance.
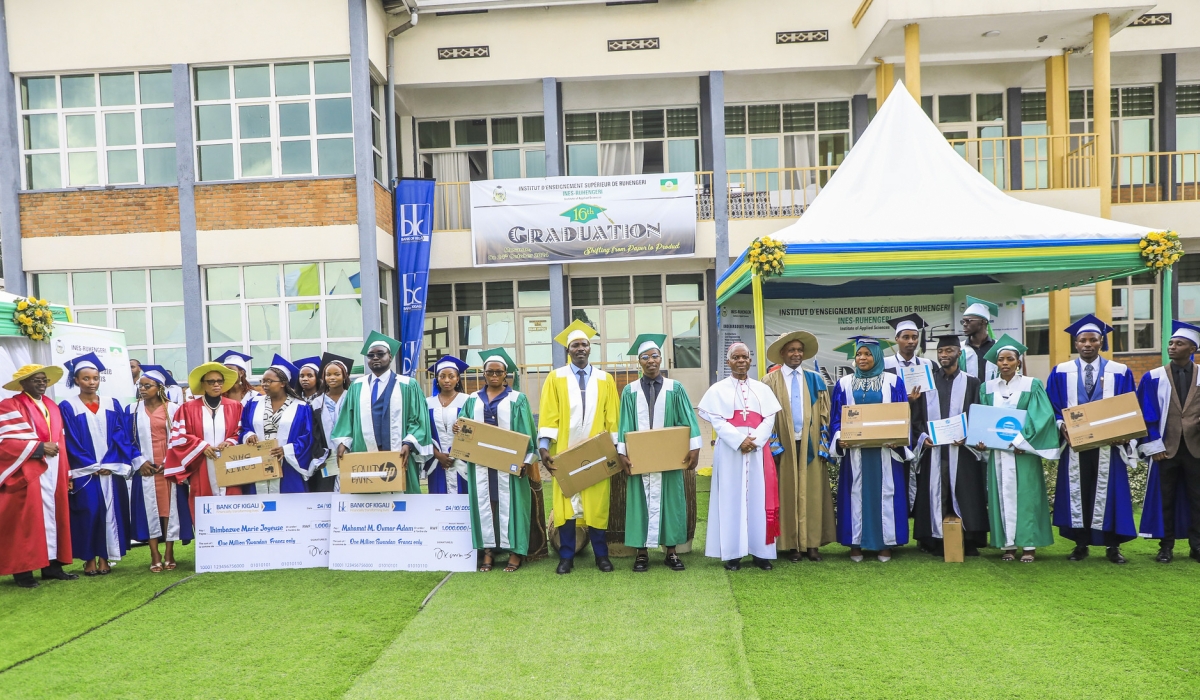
(583, 219)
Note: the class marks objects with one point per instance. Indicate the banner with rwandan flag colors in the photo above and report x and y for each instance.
(583, 219)
(414, 226)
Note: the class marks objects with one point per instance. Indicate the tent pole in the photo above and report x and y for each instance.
(760, 331)
(1167, 311)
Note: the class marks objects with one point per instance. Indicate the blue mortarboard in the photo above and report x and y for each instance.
(159, 374)
(88, 361)
(314, 362)
(290, 371)
(1187, 331)
(235, 358)
(1091, 324)
(445, 362)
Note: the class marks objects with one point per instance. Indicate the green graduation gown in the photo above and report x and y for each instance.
(407, 421)
(656, 504)
(514, 507)
(1018, 509)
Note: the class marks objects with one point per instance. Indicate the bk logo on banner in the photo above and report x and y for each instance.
(415, 222)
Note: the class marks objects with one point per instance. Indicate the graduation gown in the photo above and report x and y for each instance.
(325, 413)
(507, 525)
(566, 420)
(872, 502)
(295, 437)
(1092, 500)
(972, 362)
(194, 429)
(34, 511)
(950, 480)
(806, 517)
(99, 502)
(405, 420)
(743, 509)
(1156, 394)
(1018, 509)
(441, 423)
(144, 512)
(656, 503)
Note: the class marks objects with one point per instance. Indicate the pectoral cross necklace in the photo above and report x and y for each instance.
(744, 390)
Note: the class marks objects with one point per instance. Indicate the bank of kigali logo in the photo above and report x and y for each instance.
(1007, 428)
(582, 213)
(668, 184)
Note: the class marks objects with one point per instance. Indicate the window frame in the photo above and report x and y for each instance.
(665, 139)
(425, 165)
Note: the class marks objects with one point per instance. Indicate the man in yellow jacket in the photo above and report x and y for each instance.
(578, 402)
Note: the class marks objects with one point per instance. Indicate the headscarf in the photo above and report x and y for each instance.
(872, 379)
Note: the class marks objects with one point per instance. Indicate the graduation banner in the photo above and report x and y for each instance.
(74, 339)
(414, 225)
(253, 533)
(583, 218)
(401, 532)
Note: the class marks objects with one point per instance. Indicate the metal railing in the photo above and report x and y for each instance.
(1046, 162)
(532, 376)
(1139, 178)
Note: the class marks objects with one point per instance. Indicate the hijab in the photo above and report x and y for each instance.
(872, 379)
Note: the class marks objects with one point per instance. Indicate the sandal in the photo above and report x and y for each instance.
(511, 567)
(486, 566)
(1008, 556)
(169, 565)
(156, 568)
(1027, 558)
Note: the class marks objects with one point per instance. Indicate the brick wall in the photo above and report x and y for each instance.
(383, 209)
(1140, 364)
(248, 205)
(90, 212)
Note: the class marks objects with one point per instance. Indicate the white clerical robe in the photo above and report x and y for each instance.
(737, 516)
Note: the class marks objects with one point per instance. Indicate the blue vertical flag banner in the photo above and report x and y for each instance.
(414, 226)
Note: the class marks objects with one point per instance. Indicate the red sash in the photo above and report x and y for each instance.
(770, 475)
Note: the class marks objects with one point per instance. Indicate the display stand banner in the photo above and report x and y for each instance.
(71, 340)
(251, 533)
(401, 532)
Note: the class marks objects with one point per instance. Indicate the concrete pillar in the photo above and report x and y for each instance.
(1057, 124)
(10, 171)
(555, 161)
(858, 115)
(885, 78)
(712, 136)
(1060, 318)
(1166, 127)
(1013, 117)
(364, 171)
(185, 179)
(912, 60)
(1101, 89)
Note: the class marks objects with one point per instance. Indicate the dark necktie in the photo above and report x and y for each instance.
(582, 387)
(1183, 382)
(1089, 379)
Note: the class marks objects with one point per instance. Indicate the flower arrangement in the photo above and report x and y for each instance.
(766, 255)
(1161, 249)
(34, 318)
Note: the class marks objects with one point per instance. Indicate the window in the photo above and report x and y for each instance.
(467, 317)
(976, 116)
(774, 136)
(146, 304)
(294, 309)
(93, 130)
(378, 135)
(1187, 271)
(482, 148)
(272, 120)
(1134, 305)
(633, 142)
(620, 308)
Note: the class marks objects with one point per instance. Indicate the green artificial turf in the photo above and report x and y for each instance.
(269, 634)
(34, 621)
(917, 627)
(532, 634)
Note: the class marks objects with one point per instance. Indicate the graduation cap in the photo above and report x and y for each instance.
(1091, 324)
(911, 322)
(159, 374)
(1006, 342)
(236, 359)
(314, 362)
(88, 361)
(290, 372)
(1187, 331)
(377, 338)
(645, 342)
(448, 361)
(500, 355)
(346, 363)
(848, 349)
(577, 330)
(949, 341)
(982, 308)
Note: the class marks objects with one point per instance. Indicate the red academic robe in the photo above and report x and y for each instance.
(186, 444)
(22, 518)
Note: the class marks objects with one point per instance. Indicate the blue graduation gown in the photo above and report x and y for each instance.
(872, 502)
(296, 424)
(1154, 396)
(99, 503)
(143, 500)
(1092, 499)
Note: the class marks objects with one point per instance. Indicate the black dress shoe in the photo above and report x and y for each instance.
(25, 580)
(565, 566)
(1114, 555)
(795, 556)
(641, 563)
(604, 564)
(1195, 554)
(813, 554)
(1078, 554)
(673, 562)
(971, 551)
(764, 564)
(1165, 556)
(733, 565)
(56, 573)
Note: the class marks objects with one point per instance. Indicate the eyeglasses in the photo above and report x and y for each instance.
(377, 355)
(265, 380)
(213, 382)
(495, 372)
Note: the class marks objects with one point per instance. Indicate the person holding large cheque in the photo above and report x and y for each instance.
(1017, 505)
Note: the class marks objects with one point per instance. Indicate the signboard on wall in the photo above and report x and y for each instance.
(583, 219)
(70, 340)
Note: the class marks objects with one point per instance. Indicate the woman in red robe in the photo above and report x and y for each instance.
(202, 426)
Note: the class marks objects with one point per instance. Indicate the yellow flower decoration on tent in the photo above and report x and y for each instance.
(1161, 249)
(34, 318)
(766, 256)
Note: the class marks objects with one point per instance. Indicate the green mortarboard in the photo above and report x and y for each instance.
(647, 340)
(1006, 341)
(502, 355)
(848, 349)
(978, 307)
(377, 338)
